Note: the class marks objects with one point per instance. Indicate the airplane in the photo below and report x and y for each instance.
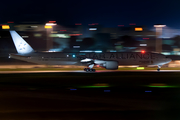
(107, 60)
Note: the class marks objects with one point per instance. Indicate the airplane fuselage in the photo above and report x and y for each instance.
(123, 58)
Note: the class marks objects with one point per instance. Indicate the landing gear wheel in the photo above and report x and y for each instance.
(93, 70)
(89, 70)
(158, 69)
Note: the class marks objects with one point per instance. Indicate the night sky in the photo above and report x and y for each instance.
(108, 13)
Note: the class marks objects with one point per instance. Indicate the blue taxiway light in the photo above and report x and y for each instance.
(73, 89)
(148, 91)
(107, 90)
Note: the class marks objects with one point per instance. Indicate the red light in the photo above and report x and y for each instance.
(78, 24)
(132, 24)
(145, 38)
(52, 21)
(93, 24)
(142, 51)
(10, 22)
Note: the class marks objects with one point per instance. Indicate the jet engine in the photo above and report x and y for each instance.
(111, 65)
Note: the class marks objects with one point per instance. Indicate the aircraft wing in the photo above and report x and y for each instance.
(102, 63)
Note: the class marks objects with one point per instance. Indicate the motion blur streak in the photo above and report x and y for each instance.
(160, 85)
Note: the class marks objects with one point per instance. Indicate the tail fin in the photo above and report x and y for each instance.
(21, 45)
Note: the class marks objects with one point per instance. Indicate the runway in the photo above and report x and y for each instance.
(81, 71)
(58, 94)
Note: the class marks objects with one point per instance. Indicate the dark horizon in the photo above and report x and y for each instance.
(107, 13)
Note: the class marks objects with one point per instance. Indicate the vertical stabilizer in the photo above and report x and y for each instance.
(21, 45)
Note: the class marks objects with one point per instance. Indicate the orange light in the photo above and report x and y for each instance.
(52, 21)
(142, 51)
(5, 27)
(138, 29)
(75, 34)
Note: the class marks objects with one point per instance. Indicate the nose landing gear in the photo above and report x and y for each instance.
(159, 66)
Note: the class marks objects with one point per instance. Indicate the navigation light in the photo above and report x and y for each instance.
(142, 51)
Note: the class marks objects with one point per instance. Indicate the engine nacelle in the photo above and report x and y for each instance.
(111, 65)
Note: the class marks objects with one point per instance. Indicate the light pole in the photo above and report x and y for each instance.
(159, 40)
(49, 41)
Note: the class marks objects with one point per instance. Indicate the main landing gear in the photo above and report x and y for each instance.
(90, 68)
(159, 66)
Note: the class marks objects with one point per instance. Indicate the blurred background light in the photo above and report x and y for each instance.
(5, 27)
(143, 45)
(159, 25)
(92, 28)
(76, 46)
(138, 29)
(98, 51)
(47, 27)
(50, 24)
(52, 21)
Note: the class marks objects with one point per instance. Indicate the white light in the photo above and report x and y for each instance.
(34, 26)
(159, 25)
(92, 28)
(76, 46)
(24, 36)
(166, 53)
(86, 51)
(86, 60)
(60, 35)
(74, 56)
(113, 51)
(143, 44)
(98, 51)
(178, 53)
(50, 24)
(67, 55)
